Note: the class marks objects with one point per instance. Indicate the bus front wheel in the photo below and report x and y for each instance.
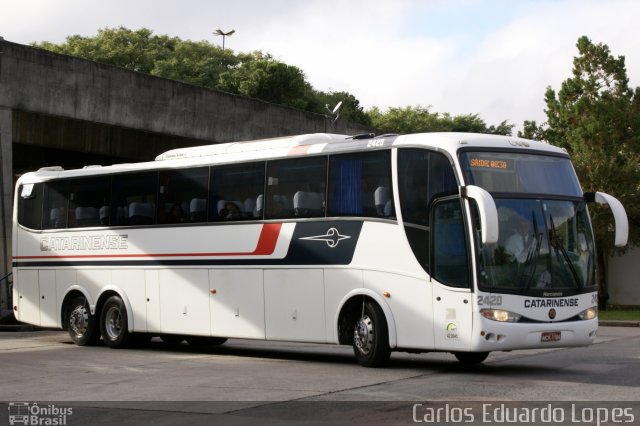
(81, 324)
(371, 337)
(471, 357)
(114, 323)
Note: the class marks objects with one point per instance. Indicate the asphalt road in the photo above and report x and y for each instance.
(249, 382)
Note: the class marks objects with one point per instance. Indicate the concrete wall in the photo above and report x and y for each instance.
(39, 81)
(624, 278)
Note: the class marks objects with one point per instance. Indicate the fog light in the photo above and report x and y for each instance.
(500, 315)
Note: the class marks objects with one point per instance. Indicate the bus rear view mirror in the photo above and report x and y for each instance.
(619, 214)
(487, 211)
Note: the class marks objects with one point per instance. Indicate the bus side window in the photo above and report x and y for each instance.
(236, 192)
(88, 202)
(30, 206)
(56, 204)
(134, 199)
(296, 188)
(450, 264)
(183, 195)
(360, 185)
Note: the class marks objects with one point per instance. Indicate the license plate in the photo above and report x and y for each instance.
(550, 336)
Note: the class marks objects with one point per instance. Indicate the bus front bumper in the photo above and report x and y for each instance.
(497, 336)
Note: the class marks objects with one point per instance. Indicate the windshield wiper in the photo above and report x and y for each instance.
(556, 243)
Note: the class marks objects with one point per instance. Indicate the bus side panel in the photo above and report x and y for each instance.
(237, 303)
(184, 301)
(294, 301)
(152, 293)
(410, 303)
(28, 293)
(92, 280)
(132, 283)
(338, 283)
(48, 299)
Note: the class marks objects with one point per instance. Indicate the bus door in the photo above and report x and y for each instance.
(450, 276)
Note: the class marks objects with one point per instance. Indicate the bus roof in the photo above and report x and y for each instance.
(316, 143)
(450, 141)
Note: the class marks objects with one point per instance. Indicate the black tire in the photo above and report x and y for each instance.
(82, 326)
(371, 337)
(470, 358)
(206, 341)
(114, 324)
(172, 339)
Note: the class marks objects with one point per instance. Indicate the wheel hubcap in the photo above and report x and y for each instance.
(113, 323)
(79, 320)
(363, 335)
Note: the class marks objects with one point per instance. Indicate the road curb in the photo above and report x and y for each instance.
(614, 323)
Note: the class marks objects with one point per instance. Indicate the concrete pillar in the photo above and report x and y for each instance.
(6, 201)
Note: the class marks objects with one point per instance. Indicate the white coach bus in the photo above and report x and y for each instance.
(451, 242)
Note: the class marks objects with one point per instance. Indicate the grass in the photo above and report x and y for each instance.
(620, 314)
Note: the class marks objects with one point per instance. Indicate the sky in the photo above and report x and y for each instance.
(494, 58)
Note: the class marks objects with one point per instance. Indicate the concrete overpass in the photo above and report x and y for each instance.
(60, 110)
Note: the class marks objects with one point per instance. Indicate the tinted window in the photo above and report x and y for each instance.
(30, 206)
(296, 188)
(360, 185)
(237, 192)
(183, 195)
(56, 204)
(134, 199)
(422, 176)
(450, 261)
(89, 201)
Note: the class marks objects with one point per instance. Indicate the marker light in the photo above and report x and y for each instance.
(500, 315)
(588, 314)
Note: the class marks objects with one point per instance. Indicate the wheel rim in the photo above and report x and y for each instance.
(113, 322)
(79, 320)
(363, 335)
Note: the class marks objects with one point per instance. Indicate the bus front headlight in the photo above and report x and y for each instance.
(500, 315)
(589, 314)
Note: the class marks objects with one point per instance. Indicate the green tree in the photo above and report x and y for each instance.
(595, 116)
(260, 76)
(418, 119)
(134, 50)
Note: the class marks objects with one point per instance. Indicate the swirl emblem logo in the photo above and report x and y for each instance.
(332, 237)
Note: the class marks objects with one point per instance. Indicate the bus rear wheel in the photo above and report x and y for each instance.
(470, 358)
(371, 337)
(114, 323)
(82, 326)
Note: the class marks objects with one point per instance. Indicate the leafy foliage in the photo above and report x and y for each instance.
(417, 119)
(595, 116)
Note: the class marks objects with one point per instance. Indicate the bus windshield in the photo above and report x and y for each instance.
(545, 247)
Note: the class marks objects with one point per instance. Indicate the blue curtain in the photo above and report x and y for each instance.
(346, 198)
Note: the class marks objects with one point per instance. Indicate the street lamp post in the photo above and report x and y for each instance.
(219, 32)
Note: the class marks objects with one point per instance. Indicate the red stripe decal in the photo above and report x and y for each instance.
(266, 245)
